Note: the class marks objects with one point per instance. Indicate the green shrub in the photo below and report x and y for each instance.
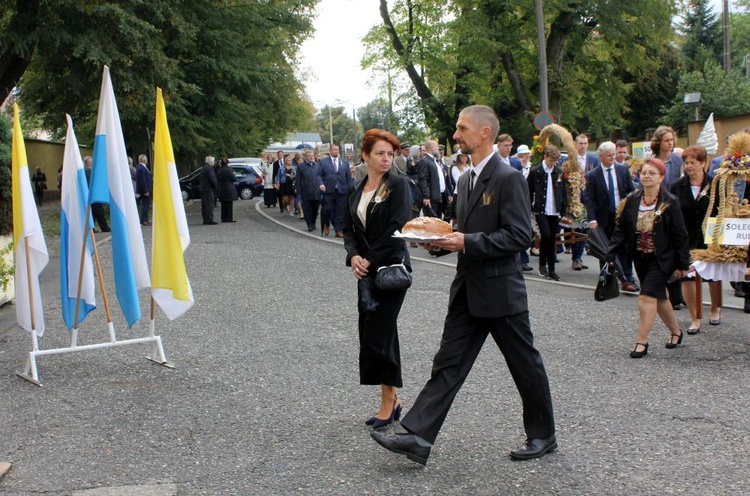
(7, 269)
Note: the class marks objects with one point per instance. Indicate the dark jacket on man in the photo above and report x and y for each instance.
(208, 178)
(305, 182)
(537, 184)
(429, 181)
(596, 195)
(144, 180)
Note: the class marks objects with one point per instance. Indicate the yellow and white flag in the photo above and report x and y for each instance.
(170, 286)
(30, 248)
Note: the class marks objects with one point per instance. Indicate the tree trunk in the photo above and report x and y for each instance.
(514, 78)
(558, 35)
(434, 110)
(560, 30)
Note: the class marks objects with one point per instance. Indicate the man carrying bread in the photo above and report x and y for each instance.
(487, 296)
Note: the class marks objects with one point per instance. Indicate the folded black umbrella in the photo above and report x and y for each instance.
(598, 244)
(366, 302)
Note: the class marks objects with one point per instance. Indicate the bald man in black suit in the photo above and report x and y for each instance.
(487, 296)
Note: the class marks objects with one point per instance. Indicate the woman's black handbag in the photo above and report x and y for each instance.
(607, 287)
(393, 277)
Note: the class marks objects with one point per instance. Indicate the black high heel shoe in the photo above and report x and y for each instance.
(670, 345)
(639, 354)
(395, 415)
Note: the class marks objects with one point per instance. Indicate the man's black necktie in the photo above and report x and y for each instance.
(611, 189)
(471, 182)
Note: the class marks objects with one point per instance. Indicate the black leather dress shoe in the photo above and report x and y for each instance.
(534, 448)
(414, 447)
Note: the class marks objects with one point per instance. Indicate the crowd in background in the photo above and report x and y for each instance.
(605, 179)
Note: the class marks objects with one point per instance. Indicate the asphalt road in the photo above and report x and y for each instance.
(265, 397)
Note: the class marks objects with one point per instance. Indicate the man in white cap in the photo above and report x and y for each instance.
(523, 154)
(523, 165)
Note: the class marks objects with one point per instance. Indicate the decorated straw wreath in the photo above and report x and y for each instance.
(572, 174)
(735, 168)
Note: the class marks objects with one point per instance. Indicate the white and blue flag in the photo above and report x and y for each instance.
(111, 183)
(74, 226)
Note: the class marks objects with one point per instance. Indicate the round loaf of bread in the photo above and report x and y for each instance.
(426, 227)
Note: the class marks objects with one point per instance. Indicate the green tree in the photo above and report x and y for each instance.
(458, 52)
(377, 114)
(723, 94)
(739, 29)
(701, 31)
(223, 67)
(411, 119)
(650, 92)
(345, 130)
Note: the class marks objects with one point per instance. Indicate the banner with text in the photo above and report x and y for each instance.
(734, 232)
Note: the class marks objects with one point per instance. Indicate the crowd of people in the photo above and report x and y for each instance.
(608, 185)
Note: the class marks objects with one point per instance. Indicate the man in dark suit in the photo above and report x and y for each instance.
(606, 185)
(504, 146)
(333, 180)
(434, 182)
(488, 296)
(144, 187)
(308, 190)
(208, 190)
(97, 209)
(587, 160)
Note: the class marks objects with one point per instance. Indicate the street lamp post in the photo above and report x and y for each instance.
(543, 94)
(330, 123)
(693, 99)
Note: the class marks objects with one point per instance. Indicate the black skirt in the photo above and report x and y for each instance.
(286, 188)
(653, 279)
(379, 352)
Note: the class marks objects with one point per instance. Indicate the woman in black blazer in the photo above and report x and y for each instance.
(694, 192)
(548, 222)
(378, 205)
(225, 178)
(650, 225)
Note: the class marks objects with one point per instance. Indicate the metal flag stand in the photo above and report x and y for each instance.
(156, 349)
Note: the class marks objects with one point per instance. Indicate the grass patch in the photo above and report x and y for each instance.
(50, 219)
(49, 216)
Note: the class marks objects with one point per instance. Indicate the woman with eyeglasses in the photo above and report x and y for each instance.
(651, 226)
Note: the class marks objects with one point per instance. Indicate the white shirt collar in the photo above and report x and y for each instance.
(480, 166)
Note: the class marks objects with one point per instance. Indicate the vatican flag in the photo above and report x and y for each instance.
(30, 247)
(170, 287)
